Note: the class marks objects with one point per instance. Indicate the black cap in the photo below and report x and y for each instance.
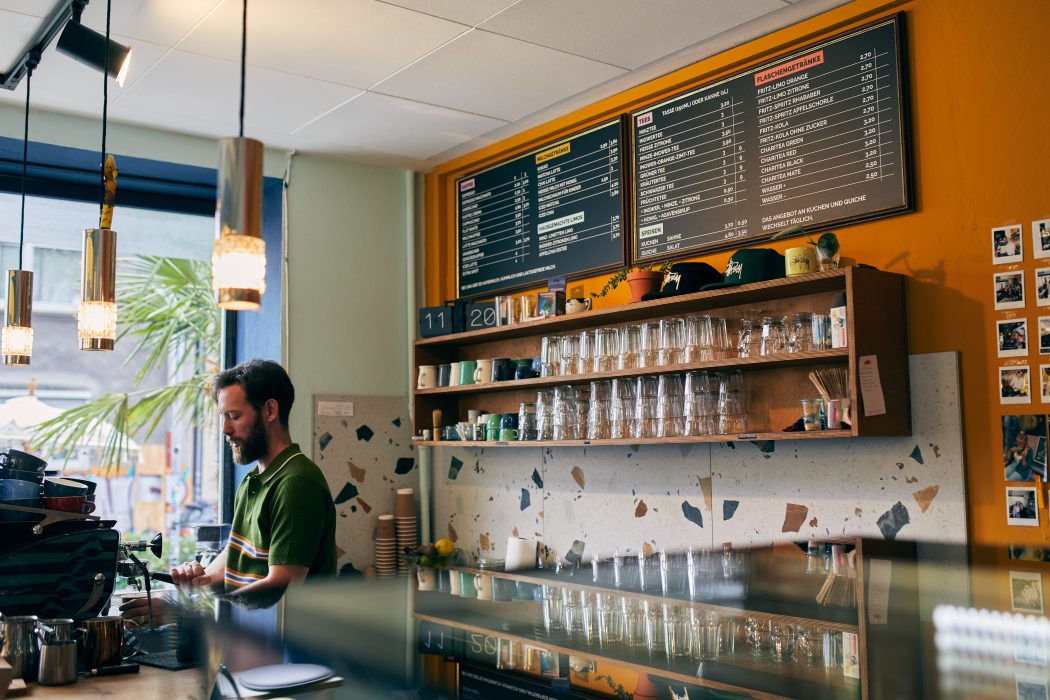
(685, 278)
(751, 265)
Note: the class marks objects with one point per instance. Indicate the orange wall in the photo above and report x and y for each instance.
(980, 103)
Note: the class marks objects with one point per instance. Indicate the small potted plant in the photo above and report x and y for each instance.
(827, 251)
(642, 279)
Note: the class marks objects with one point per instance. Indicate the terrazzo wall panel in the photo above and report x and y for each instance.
(705, 494)
(365, 458)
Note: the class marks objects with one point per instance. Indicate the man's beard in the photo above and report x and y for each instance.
(254, 446)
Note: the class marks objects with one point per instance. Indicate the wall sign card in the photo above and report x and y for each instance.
(557, 210)
(814, 138)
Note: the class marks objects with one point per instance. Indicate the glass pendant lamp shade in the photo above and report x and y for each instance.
(239, 252)
(97, 317)
(17, 338)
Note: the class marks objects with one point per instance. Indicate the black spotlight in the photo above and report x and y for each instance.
(87, 46)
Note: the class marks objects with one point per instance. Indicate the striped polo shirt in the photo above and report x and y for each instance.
(283, 516)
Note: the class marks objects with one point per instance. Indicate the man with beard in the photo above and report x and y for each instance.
(283, 528)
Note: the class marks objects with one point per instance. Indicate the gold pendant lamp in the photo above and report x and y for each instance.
(97, 316)
(239, 253)
(16, 340)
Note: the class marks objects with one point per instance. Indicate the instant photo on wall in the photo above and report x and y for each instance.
(1024, 447)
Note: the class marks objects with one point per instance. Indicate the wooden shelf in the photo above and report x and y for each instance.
(813, 283)
(835, 618)
(812, 357)
(741, 667)
(680, 440)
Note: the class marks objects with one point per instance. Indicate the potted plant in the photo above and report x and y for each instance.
(642, 279)
(827, 251)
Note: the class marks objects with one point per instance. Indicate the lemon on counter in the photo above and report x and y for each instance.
(444, 546)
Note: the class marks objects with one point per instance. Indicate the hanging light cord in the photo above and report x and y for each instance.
(244, 55)
(30, 65)
(105, 108)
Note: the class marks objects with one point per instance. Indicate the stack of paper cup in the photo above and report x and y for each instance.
(407, 525)
(386, 548)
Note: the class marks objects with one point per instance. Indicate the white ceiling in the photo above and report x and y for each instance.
(405, 83)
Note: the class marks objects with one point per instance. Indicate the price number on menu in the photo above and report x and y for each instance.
(435, 321)
(481, 647)
(480, 315)
(434, 639)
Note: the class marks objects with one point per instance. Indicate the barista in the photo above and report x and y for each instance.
(283, 527)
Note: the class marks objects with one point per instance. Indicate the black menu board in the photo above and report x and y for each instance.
(557, 210)
(814, 138)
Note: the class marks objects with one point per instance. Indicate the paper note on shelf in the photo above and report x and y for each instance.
(879, 575)
(335, 408)
(871, 386)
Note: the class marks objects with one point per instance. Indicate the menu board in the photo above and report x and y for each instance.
(814, 138)
(557, 210)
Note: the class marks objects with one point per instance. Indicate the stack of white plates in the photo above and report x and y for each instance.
(406, 524)
(387, 554)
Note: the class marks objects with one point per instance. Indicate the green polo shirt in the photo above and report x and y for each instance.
(283, 516)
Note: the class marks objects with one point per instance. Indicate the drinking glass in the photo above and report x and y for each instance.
(700, 574)
(671, 343)
(747, 339)
(678, 632)
(545, 415)
(610, 620)
(781, 641)
(709, 635)
(599, 424)
(698, 405)
(549, 357)
(650, 344)
(621, 407)
(831, 649)
(673, 572)
(821, 331)
(602, 571)
(633, 622)
(811, 410)
(585, 360)
(552, 620)
(606, 349)
(731, 416)
(722, 347)
(645, 407)
(809, 645)
(800, 336)
(774, 336)
(566, 413)
(527, 429)
(570, 613)
(654, 628)
(648, 572)
(568, 354)
(630, 350)
(625, 571)
(699, 339)
(753, 634)
(587, 616)
(670, 405)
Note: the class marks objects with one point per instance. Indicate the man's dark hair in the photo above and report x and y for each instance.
(262, 380)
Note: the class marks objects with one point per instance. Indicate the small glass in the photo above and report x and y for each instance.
(545, 415)
(585, 360)
(610, 620)
(781, 641)
(568, 355)
(650, 344)
(602, 571)
(621, 407)
(566, 413)
(630, 350)
(670, 410)
(654, 629)
(550, 359)
(812, 414)
(732, 419)
(753, 635)
(599, 424)
(672, 574)
(809, 645)
(800, 335)
(587, 617)
(709, 635)
(606, 349)
(625, 571)
(645, 407)
(699, 339)
(633, 622)
(671, 346)
(748, 338)
(678, 633)
(774, 336)
(527, 429)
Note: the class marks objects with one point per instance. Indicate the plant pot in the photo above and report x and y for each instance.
(643, 282)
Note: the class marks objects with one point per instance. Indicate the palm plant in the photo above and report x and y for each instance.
(167, 306)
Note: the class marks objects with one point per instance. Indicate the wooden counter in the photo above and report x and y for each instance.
(149, 682)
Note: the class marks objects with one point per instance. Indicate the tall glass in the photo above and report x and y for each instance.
(800, 334)
(633, 622)
(549, 357)
(671, 347)
(645, 407)
(610, 620)
(774, 336)
(585, 360)
(732, 420)
(699, 339)
(566, 413)
(630, 350)
(606, 349)
(678, 633)
(545, 415)
(669, 406)
(568, 354)
(621, 408)
(650, 344)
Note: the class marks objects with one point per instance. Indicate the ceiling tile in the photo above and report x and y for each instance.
(622, 33)
(197, 94)
(351, 42)
(33, 8)
(456, 10)
(391, 125)
(16, 31)
(496, 76)
(157, 21)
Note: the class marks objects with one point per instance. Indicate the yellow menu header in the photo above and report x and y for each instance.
(559, 150)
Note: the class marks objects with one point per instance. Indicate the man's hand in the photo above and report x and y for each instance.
(136, 610)
(191, 574)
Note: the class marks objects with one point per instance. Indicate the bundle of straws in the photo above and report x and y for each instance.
(830, 382)
(840, 587)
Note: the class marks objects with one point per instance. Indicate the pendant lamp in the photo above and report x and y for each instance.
(16, 340)
(97, 316)
(239, 253)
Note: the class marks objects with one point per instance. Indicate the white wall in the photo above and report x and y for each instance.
(347, 269)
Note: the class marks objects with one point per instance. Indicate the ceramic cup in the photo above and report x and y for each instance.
(483, 371)
(427, 377)
(483, 586)
(492, 426)
(427, 578)
(444, 374)
(454, 583)
(54, 486)
(577, 304)
(466, 371)
(466, 585)
(69, 504)
(503, 369)
(799, 261)
(453, 374)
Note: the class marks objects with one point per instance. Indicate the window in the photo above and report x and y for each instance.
(56, 278)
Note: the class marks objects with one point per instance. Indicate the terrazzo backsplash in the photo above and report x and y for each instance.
(705, 494)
